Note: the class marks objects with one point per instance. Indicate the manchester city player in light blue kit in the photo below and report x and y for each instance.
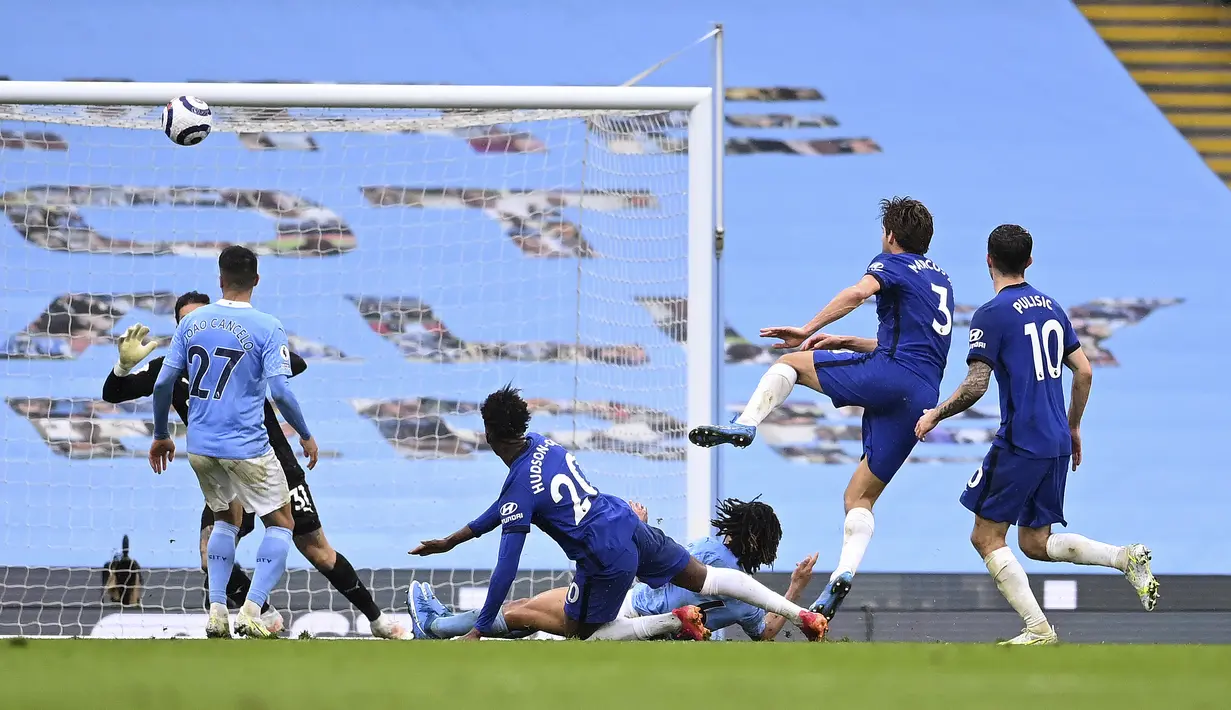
(1024, 336)
(234, 354)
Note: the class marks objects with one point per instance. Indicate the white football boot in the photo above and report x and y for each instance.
(1139, 575)
(273, 621)
(1032, 638)
(219, 624)
(385, 627)
(252, 626)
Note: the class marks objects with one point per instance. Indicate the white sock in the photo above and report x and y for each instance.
(724, 582)
(218, 609)
(775, 386)
(641, 628)
(251, 608)
(1015, 586)
(856, 534)
(1081, 550)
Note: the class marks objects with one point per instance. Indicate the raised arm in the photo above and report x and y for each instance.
(1083, 378)
(799, 580)
(485, 523)
(970, 391)
(126, 387)
(120, 385)
(847, 300)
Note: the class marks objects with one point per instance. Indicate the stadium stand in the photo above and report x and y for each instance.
(1179, 52)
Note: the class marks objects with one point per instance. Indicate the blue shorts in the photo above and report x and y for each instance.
(596, 595)
(893, 398)
(1009, 488)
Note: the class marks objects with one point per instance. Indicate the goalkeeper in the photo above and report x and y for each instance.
(123, 385)
(747, 538)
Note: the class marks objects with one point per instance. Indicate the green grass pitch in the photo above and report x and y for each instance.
(302, 675)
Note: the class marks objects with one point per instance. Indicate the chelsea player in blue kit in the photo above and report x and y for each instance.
(894, 377)
(1023, 336)
(233, 354)
(610, 545)
(746, 537)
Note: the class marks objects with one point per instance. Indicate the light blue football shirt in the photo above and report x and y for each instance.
(229, 349)
(720, 612)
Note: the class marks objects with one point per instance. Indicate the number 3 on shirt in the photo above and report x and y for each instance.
(581, 503)
(946, 327)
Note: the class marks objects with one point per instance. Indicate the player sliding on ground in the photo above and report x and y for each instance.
(747, 538)
(123, 385)
(234, 353)
(599, 532)
(1023, 336)
(894, 377)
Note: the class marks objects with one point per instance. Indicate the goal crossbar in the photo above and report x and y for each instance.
(702, 344)
(122, 93)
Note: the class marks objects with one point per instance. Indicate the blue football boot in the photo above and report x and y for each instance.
(827, 604)
(737, 435)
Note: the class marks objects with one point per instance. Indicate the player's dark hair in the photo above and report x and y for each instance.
(1009, 247)
(187, 298)
(752, 531)
(909, 221)
(237, 267)
(505, 414)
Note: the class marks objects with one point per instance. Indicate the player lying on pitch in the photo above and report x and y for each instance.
(601, 534)
(894, 376)
(747, 538)
(123, 385)
(1023, 336)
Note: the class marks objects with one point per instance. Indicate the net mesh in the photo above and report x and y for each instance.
(418, 259)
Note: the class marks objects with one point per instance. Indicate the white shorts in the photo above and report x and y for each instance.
(259, 483)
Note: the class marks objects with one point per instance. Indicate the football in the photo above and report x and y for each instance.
(187, 120)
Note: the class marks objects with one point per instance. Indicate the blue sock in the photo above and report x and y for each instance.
(220, 558)
(454, 625)
(270, 563)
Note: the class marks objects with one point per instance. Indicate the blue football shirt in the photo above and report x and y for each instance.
(720, 612)
(1024, 336)
(229, 349)
(914, 308)
(546, 488)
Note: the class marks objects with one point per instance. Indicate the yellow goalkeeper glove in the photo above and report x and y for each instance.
(133, 349)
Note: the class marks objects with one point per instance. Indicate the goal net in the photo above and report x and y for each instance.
(423, 246)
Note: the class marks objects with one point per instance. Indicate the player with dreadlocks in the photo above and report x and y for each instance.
(747, 538)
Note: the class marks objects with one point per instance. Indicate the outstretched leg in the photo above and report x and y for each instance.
(719, 581)
(774, 388)
(1133, 560)
(341, 574)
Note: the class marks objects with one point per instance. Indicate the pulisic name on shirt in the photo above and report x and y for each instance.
(233, 327)
(1032, 301)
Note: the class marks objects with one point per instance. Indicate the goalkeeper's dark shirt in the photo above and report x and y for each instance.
(141, 384)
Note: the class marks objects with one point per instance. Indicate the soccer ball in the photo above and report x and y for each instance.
(187, 120)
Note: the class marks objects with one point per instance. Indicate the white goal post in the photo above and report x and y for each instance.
(609, 129)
